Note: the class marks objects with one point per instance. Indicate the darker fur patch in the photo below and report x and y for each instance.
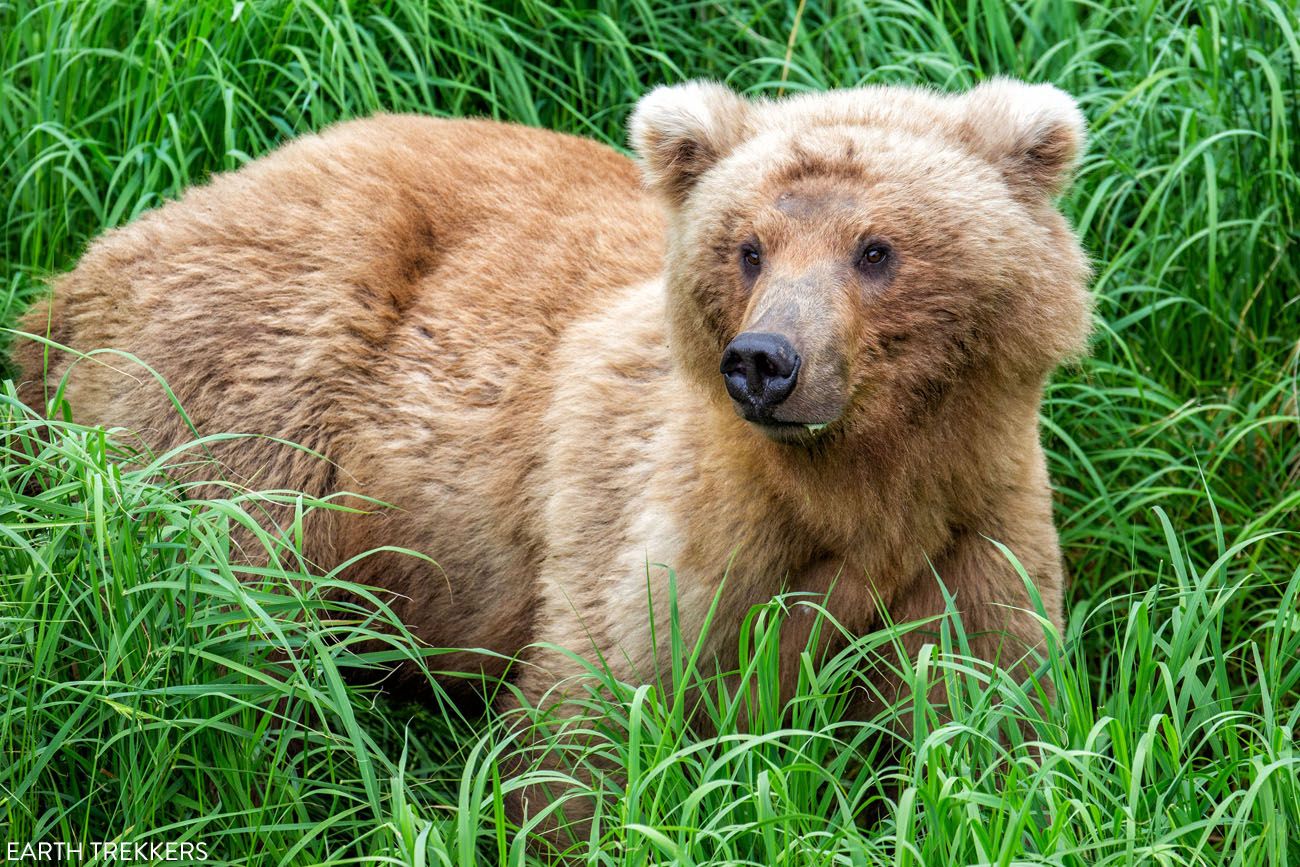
(421, 256)
(805, 165)
(389, 292)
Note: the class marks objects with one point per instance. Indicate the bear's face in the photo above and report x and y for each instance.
(843, 261)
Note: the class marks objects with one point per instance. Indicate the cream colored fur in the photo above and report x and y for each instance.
(503, 333)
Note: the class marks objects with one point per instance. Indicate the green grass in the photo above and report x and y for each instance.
(151, 688)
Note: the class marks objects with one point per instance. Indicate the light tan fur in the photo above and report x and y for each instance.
(505, 334)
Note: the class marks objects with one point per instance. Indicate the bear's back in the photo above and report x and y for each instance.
(332, 251)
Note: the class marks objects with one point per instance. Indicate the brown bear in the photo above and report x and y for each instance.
(805, 347)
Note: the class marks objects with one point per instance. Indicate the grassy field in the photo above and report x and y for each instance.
(152, 691)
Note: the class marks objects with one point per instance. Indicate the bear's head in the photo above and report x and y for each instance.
(846, 260)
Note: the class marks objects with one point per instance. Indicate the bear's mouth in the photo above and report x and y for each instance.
(790, 431)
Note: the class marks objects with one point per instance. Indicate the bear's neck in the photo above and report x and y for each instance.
(912, 480)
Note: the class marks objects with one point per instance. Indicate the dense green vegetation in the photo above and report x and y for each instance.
(151, 690)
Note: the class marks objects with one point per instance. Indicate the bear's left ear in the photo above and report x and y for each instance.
(682, 131)
(1033, 133)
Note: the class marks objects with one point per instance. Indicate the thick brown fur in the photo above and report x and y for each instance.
(506, 335)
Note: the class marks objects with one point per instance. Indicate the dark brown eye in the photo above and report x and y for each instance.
(874, 255)
(750, 258)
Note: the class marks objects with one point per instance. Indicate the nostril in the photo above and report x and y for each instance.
(732, 362)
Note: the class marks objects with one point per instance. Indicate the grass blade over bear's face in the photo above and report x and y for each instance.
(846, 262)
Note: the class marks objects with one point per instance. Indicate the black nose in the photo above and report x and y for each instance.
(760, 369)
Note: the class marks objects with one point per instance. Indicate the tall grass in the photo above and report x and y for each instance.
(154, 688)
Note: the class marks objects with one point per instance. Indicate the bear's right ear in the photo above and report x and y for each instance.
(1034, 133)
(683, 130)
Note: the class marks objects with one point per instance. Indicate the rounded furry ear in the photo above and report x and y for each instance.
(1033, 133)
(683, 130)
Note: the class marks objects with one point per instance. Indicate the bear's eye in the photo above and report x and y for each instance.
(750, 259)
(874, 256)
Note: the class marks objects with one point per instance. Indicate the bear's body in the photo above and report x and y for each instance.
(474, 323)
(390, 295)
